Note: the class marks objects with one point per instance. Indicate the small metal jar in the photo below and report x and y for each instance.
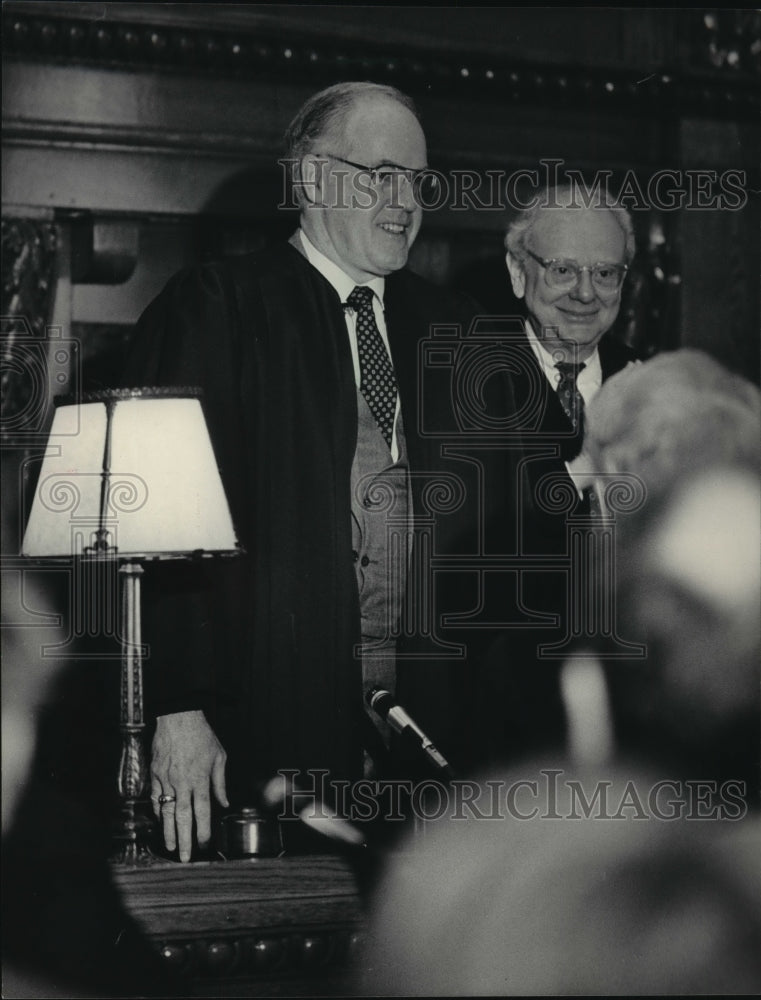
(248, 834)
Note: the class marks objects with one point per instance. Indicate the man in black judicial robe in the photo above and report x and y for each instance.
(255, 659)
(568, 261)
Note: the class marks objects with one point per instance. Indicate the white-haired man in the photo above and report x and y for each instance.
(568, 261)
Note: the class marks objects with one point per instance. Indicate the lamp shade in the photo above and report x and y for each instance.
(130, 473)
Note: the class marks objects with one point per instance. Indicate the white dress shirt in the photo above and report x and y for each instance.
(588, 380)
(345, 285)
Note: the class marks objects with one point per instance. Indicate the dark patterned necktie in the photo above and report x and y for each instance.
(573, 403)
(568, 393)
(377, 380)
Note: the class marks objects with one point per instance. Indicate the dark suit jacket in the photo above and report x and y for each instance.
(549, 438)
(519, 708)
(265, 644)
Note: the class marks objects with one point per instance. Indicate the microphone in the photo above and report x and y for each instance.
(383, 704)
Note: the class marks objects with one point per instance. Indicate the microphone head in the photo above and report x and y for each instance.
(379, 700)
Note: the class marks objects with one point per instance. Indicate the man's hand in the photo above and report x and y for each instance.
(187, 757)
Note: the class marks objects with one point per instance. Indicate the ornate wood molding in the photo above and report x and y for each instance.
(270, 920)
(262, 955)
(716, 80)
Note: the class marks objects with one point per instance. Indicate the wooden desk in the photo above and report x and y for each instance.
(286, 926)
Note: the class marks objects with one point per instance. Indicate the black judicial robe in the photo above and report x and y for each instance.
(519, 699)
(265, 643)
(548, 435)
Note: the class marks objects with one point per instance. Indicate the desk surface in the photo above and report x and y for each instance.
(260, 927)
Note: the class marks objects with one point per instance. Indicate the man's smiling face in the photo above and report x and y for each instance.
(566, 320)
(368, 242)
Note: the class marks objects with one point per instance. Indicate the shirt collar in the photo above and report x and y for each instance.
(592, 372)
(332, 273)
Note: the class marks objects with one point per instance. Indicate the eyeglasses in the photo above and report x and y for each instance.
(567, 273)
(388, 176)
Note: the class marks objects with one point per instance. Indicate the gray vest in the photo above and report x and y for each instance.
(381, 509)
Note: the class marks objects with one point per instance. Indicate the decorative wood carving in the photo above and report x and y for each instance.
(253, 51)
(256, 921)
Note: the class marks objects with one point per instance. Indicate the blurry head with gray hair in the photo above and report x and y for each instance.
(688, 583)
(675, 413)
(688, 586)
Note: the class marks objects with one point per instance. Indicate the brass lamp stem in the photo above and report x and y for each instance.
(101, 534)
(132, 833)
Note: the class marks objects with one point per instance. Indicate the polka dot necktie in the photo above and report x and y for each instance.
(377, 380)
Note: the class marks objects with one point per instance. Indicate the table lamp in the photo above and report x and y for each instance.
(129, 475)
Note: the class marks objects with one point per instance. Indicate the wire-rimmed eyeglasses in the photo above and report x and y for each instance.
(562, 273)
(424, 183)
